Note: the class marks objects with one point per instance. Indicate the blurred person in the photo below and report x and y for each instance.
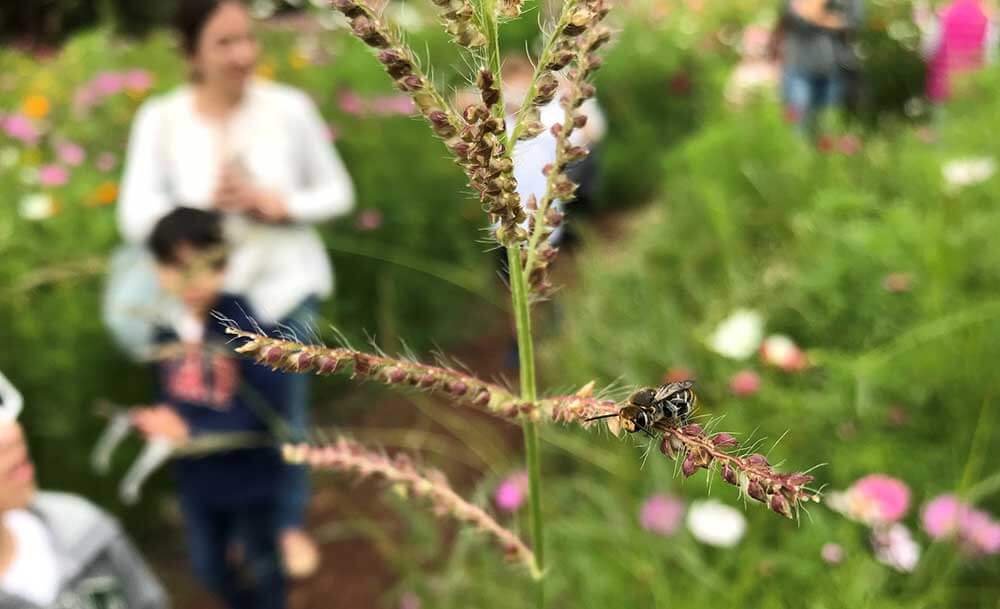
(229, 499)
(819, 60)
(258, 152)
(757, 71)
(960, 37)
(532, 155)
(59, 550)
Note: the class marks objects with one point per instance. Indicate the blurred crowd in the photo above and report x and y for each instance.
(810, 55)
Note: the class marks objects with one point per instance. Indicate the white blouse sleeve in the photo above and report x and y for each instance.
(144, 195)
(327, 190)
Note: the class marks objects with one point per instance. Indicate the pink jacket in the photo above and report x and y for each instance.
(962, 47)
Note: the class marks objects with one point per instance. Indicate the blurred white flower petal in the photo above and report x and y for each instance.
(716, 524)
(895, 547)
(739, 335)
(37, 207)
(969, 171)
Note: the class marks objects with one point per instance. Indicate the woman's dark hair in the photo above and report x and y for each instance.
(196, 228)
(190, 20)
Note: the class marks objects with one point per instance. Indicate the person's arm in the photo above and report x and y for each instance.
(144, 198)
(328, 191)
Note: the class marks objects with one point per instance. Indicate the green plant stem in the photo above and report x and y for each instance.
(529, 392)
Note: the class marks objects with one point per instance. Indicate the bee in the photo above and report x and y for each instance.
(668, 404)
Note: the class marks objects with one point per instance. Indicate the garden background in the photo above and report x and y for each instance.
(873, 251)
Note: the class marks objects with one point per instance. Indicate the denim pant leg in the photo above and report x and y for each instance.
(208, 537)
(295, 495)
(261, 584)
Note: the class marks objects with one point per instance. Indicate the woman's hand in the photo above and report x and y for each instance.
(235, 191)
(161, 421)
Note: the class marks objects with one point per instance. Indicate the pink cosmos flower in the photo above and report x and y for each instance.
(891, 496)
(895, 547)
(832, 553)
(409, 601)
(512, 492)
(940, 517)
(106, 161)
(874, 500)
(108, 83)
(71, 153)
(678, 373)
(781, 351)
(389, 105)
(138, 80)
(369, 219)
(52, 175)
(352, 103)
(21, 128)
(662, 514)
(744, 383)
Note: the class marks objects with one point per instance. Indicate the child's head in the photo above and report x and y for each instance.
(190, 256)
(17, 474)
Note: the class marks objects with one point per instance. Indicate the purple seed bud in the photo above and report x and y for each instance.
(667, 447)
(272, 355)
(427, 380)
(579, 121)
(600, 37)
(729, 475)
(556, 129)
(780, 505)
(326, 365)
(725, 440)
(482, 398)
(348, 7)
(755, 490)
(757, 459)
(693, 430)
(578, 22)
(410, 83)
(362, 364)
(688, 468)
(797, 481)
(559, 60)
(395, 375)
(300, 361)
(457, 388)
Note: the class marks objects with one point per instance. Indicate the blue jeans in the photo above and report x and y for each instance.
(255, 582)
(295, 495)
(808, 94)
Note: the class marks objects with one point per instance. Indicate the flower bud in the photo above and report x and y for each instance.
(692, 430)
(578, 21)
(688, 468)
(367, 30)
(396, 62)
(303, 360)
(729, 475)
(667, 446)
(780, 505)
(410, 83)
(487, 87)
(482, 398)
(725, 440)
(326, 365)
(553, 217)
(457, 388)
(545, 89)
(600, 36)
(395, 375)
(755, 490)
(272, 355)
(441, 124)
(579, 121)
(362, 364)
(427, 380)
(560, 59)
(349, 8)
(757, 459)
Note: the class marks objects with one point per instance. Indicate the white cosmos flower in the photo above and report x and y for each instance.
(896, 548)
(968, 171)
(37, 206)
(716, 524)
(739, 335)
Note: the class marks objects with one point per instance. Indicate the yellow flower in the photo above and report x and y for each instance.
(266, 70)
(105, 194)
(298, 60)
(36, 106)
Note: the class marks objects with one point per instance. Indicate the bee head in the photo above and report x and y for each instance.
(642, 398)
(634, 419)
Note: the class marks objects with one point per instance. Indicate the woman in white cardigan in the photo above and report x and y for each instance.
(259, 153)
